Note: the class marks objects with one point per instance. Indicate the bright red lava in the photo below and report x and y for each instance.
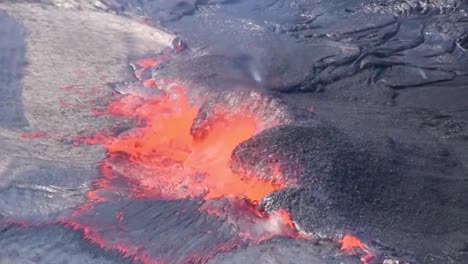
(350, 244)
(160, 159)
(165, 161)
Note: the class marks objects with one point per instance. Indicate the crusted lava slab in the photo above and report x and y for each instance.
(341, 184)
(404, 43)
(408, 199)
(327, 42)
(51, 244)
(13, 58)
(152, 230)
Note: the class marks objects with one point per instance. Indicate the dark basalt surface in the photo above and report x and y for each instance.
(155, 228)
(27, 244)
(35, 190)
(397, 181)
(414, 42)
(344, 185)
(285, 251)
(12, 60)
(329, 41)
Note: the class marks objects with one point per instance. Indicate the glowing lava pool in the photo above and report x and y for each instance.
(159, 160)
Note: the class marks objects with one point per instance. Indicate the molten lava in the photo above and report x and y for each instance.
(160, 160)
(350, 244)
(164, 160)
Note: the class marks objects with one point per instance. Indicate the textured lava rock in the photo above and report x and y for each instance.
(405, 193)
(401, 77)
(216, 73)
(399, 7)
(322, 46)
(339, 184)
(463, 41)
(270, 110)
(327, 41)
(170, 231)
(159, 10)
(338, 179)
(286, 251)
(12, 60)
(34, 190)
(51, 244)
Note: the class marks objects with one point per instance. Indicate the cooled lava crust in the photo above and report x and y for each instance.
(212, 162)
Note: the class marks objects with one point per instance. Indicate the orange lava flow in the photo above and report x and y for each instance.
(349, 242)
(166, 161)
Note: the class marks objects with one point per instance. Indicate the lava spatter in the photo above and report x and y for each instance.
(161, 161)
(351, 244)
(165, 188)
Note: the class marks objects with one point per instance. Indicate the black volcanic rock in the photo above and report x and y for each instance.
(341, 180)
(339, 184)
(327, 42)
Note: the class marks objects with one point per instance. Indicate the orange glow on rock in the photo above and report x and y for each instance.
(149, 83)
(147, 63)
(160, 159)
(163, 159)
(349, 242)
(286, 218)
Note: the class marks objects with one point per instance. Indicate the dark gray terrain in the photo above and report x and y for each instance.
(372, 97)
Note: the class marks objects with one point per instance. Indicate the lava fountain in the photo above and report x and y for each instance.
(160, 160)
(163, 160)
(181, 179)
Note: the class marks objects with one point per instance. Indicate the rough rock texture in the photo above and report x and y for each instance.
(29, 244)
(285, 251)
(326, 42)
(153, 229)
(422, 179)
(375, 159)
(13, 52)
(54, 64)
(400, 7)
(269, 109)
(339, 186)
